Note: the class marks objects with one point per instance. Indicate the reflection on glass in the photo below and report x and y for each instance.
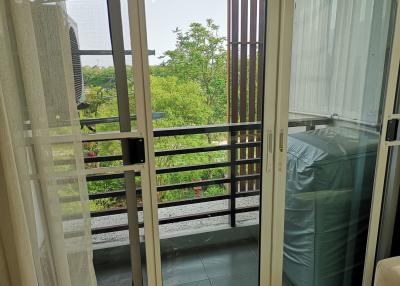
(338, 64)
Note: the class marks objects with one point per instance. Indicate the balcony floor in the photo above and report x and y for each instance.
(224, 264)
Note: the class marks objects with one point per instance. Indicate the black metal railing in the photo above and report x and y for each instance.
(231, 179)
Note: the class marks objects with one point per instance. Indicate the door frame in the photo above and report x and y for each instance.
(276, 97)
(138, 32)
(383, 152)
(282, 128)
(140, 66)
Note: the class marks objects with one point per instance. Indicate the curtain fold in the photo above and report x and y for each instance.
(44, 214)
(337, 65)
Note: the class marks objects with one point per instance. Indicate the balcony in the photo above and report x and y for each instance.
(203, 222)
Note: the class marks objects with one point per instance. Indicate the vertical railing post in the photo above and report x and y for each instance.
(232, 199)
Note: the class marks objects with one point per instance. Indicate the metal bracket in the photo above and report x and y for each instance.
(136, 151)
(391, 132)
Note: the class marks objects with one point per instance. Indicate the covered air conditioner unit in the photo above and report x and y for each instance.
(76, 64)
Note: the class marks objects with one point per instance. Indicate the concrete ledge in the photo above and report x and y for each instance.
(116, 253)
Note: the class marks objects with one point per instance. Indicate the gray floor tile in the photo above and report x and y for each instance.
(228, 264)
(245, 280)
(253, 245)
(181, 269)
(236, 260)
(197, 283)
(113, 275)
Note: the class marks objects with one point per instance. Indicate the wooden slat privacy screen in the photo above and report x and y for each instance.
(246, 28)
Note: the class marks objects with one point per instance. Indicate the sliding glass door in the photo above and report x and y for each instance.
(187, 202)
(267, 118)
(344, 64)
(207, 81)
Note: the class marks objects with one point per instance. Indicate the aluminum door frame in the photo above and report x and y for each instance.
(276, 97)
(383, 152)
(281, 143)
(278, 23)
(140, 65)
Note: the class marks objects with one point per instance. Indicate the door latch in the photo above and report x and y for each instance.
(391, 131)
(136, 151)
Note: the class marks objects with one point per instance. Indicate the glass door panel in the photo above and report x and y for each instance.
(113, 122)
(337, 86)
(206, 79)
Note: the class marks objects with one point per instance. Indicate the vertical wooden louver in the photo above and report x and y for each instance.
(76, 65)
(246, 74)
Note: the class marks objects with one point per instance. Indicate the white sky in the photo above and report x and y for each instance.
(163, 16)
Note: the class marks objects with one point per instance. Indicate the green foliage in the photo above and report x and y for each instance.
(183, 103)
(200, 56)
(189, 87)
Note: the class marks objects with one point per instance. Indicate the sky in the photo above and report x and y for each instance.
(162, 17)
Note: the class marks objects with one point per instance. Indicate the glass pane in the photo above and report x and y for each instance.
(206, 76)
(100, 89)
(338, 67)
(94, 70)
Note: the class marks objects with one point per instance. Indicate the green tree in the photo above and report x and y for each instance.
(189, 86)
(200, 56)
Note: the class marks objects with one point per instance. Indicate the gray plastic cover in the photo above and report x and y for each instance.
(330, 174)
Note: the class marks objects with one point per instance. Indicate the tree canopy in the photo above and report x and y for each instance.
(189, 87)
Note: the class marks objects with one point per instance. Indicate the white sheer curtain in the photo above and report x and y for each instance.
(44, 217)
(339, 48)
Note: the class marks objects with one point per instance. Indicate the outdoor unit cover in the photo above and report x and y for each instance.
(330, 174)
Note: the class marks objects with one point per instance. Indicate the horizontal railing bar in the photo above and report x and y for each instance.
(192, 150)
(248, 177)
(194, 216)
(175, 152)
(216, 128)
(103, 159)
(192, 168)
(113, 119)
(177, 186)
(247, 209)
(106, 52)
(109, 136)
(205, 166)
(219, 181)
(111, 228)
(247, 194)
(192, 201)
(108, 212)
(92, 178)
(225, 212)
